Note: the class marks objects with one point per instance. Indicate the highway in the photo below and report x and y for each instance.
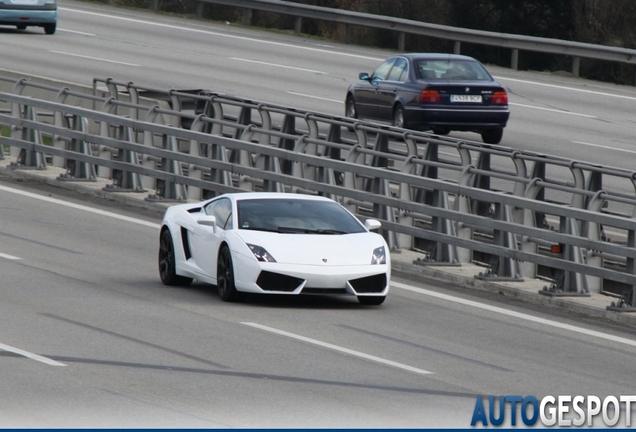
(89, 337)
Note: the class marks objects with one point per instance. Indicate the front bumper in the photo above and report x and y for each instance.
(277, 278)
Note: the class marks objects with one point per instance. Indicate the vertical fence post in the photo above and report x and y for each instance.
(515, 59)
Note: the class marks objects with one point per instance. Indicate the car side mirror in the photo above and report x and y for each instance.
(207, 220)
(364, 76)
(372, 224)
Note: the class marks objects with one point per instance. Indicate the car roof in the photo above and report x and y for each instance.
(272, 195)
(435, 56)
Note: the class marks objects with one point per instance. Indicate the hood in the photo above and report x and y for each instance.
(316, 249)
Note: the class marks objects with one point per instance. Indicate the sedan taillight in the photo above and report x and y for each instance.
(430, 96)
(499, 98)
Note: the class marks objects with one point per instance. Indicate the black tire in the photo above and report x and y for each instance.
(371, 300)
(441, 131)
(225, 277)
(398, 117)
(492, 136)
(167, 271)
(49, 28)
(350, 108)
(21, 26)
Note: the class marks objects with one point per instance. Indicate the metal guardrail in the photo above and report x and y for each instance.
(457, 201)
(516, 43)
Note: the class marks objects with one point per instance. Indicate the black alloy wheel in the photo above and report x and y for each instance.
(225, 277)
(167, 271)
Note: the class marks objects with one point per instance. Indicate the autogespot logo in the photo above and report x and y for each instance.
(562, 410)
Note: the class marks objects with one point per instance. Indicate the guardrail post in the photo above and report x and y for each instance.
(348, 34)
(387, 213)
(568, 283)
(628, 302)
(289, 128)
(503, 268)
(442, 253)
(514, 62)
(480, 181)
(576, 64)
(168, 190)
(247, 17)
(594, 232)
(199, 9)
(528, 244)
(298, 25)
(402, 42)
(428, 171)
(30, 159)
(126, 181)
(77, 170)
(457, 47)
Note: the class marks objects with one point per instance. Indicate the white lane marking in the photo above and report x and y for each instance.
(553, 110)
(604, 147)
(138, 21)
(594, 92)
(9, 257)
(315, 97)
(32, 356)
(338, 348)
(80, 207)
(76, 32)
(514, 314)
(94, 58)
(277, 65)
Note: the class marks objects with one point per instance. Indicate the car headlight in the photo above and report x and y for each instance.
(261, 254)
(379, 256)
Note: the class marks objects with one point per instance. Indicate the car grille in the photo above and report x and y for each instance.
(308, 290)
(269, 281)
(369, 284)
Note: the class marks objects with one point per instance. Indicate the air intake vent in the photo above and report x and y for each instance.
(269, 281)
(369, 284)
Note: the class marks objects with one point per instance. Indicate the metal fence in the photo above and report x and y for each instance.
(516, 43)
(521, 214)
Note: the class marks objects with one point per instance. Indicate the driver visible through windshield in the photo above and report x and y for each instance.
(296, 216)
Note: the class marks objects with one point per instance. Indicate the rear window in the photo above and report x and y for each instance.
(446, 69)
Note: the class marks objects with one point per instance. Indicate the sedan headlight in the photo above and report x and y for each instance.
(379, 256)
(261, 254)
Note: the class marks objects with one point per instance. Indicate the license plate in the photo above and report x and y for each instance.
(466, 98)
(24, 2)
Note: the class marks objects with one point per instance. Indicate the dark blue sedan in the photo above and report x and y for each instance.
(438, 92)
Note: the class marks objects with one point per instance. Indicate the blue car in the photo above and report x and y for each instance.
(437, 92)
(29, 13)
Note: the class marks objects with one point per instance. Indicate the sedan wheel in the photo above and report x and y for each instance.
(225, 277)
(167, 271)
(351, 108)
(398, 117)
(371, 300)
(49, 28)
(492, 136)
(20, 26)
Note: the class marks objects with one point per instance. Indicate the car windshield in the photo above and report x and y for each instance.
(446, 69)
(296, 216)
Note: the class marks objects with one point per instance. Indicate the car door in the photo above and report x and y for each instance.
(387, 89)
(206, 239)
(366, 96)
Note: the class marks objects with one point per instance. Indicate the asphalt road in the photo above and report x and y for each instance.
(91, 338)
(80, 288)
